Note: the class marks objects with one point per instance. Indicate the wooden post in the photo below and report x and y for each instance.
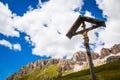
(86, 43)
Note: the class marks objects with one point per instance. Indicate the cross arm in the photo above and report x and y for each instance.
(88, 29)
(92, 20)
(80, 20)
(74, 27)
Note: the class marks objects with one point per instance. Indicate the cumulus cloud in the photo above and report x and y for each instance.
(48, 25)
(111, 10)
(6, 43)
(43, 25)
(9, 45)
(6, 22)
(16, 47)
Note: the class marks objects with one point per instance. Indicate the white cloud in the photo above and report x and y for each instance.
(58, 18)
(57, 15)
(6, 22)
(27, 38)
(111, 34)
(9, 45)
(6, 43)
(17, 47)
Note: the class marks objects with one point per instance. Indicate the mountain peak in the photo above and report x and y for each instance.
(63, 67)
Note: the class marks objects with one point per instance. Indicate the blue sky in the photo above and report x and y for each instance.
(33, 30)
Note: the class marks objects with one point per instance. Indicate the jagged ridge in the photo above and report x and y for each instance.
(61, 67)
(109, 71)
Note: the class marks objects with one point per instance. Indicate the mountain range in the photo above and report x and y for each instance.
(53, 69)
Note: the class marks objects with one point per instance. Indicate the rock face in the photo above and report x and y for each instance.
(112, 58)
(115, 49)
(79, 56)
(41, 64)
(95, 56)
(105, 52)
(82, 56)
(66, 65)
(52, 61)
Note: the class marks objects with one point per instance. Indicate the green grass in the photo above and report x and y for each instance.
(66, 73)
(47, 74)
(110, 71)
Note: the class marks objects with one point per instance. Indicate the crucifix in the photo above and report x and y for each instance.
(73, 31)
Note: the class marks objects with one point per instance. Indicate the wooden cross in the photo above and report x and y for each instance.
(72, 32)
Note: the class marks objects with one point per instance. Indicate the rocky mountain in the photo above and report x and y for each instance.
(54, 68)
(115, 49)
(105, 52)
(108, 71)
(82, 56)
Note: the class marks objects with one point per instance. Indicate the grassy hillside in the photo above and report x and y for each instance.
(49, 73)
(110, 71)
